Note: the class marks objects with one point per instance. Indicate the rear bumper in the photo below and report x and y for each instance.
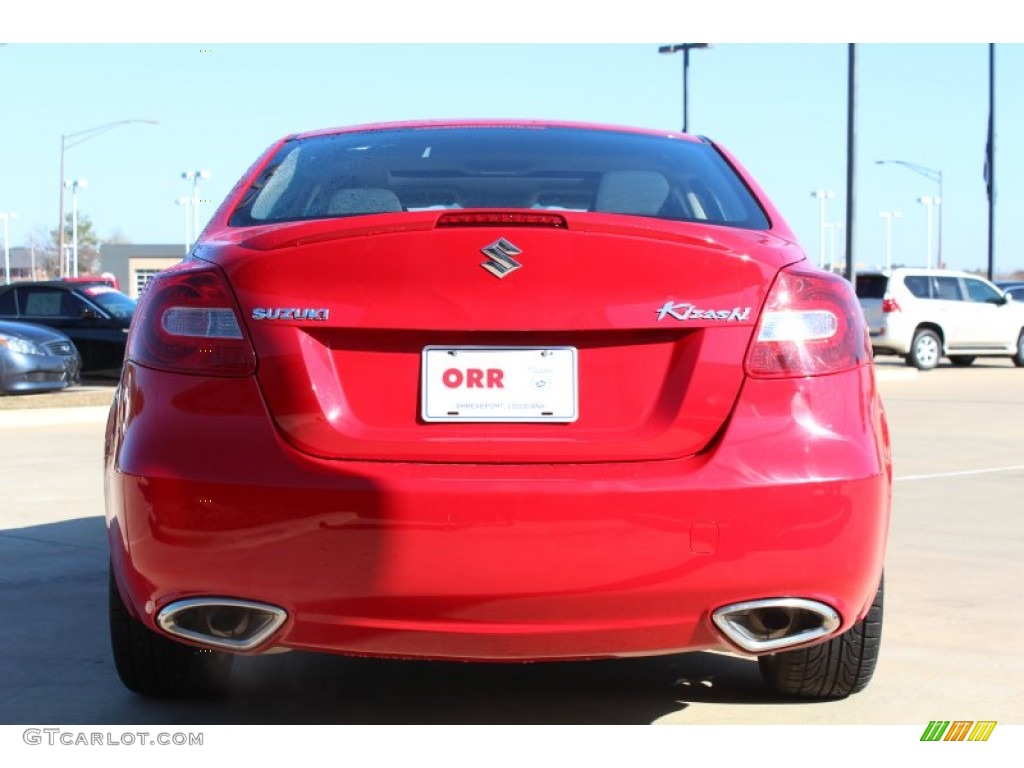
(891, 335)
(496, 562)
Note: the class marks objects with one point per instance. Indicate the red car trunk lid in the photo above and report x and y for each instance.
(659, 321)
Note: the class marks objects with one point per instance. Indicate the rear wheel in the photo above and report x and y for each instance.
(1018, 359)
(925, 350)
(834, 669)
(154, 665)
(961, 361)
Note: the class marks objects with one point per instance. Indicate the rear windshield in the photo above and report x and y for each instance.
(534, 168)
(871, 286)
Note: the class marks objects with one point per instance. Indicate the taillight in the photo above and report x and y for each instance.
(188, 322)
(889, 304)
(811, 325)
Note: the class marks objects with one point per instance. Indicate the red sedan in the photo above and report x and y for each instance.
(497, 391)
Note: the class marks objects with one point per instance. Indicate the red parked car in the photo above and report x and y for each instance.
(497, 391)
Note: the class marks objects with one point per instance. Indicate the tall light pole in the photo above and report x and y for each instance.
(934, 175)
(68, 140)
(74, 186)
(186, 203)
(194, 177)
(889, 216)
(822, 196)
(685, 48)
(7, 216)
(832, 227)
(850, 273)
(990, 161)
(928, 203)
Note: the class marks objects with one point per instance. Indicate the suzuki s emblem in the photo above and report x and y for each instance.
(501, 262)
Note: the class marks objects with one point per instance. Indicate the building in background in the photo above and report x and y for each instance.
(25, 264)
(135, 264)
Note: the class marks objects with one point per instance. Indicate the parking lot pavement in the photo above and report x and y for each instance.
(948, 647)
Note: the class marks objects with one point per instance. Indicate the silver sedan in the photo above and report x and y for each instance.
(34, 358)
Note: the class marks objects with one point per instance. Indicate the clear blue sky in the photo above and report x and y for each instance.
(781, 108)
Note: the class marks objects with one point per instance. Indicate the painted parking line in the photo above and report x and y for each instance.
(964, 473)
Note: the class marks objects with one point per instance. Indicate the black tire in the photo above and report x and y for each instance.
(961, 361)
(1018, 359)
(832, 670)
(154, 665)
(925, 350)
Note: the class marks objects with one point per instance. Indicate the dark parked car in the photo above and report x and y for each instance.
(94, 315)
(34, 358)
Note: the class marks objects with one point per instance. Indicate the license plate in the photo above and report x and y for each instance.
(499, 384)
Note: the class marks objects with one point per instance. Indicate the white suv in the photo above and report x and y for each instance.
(925, 314)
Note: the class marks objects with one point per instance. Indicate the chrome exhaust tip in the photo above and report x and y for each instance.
(234, 625)
(761, 626)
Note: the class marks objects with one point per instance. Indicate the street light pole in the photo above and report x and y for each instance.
(832, 227)
(685, 48)
(68, 140)
(7, 216)
(889, 216)
(822, 196)
(934, 175)
(195, 176)
(928, 203)
(990, 161)
(185, 203)
(74, 186)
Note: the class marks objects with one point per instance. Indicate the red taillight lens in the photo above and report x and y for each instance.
(811, 325)
(889, 304)
(188, 322)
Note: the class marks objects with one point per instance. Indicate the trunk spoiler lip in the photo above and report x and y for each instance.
(296, 234)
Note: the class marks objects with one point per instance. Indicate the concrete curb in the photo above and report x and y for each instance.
(22, 418)
(75, 397)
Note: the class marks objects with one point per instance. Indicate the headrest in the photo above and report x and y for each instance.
(363, 200)
(641, 193)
